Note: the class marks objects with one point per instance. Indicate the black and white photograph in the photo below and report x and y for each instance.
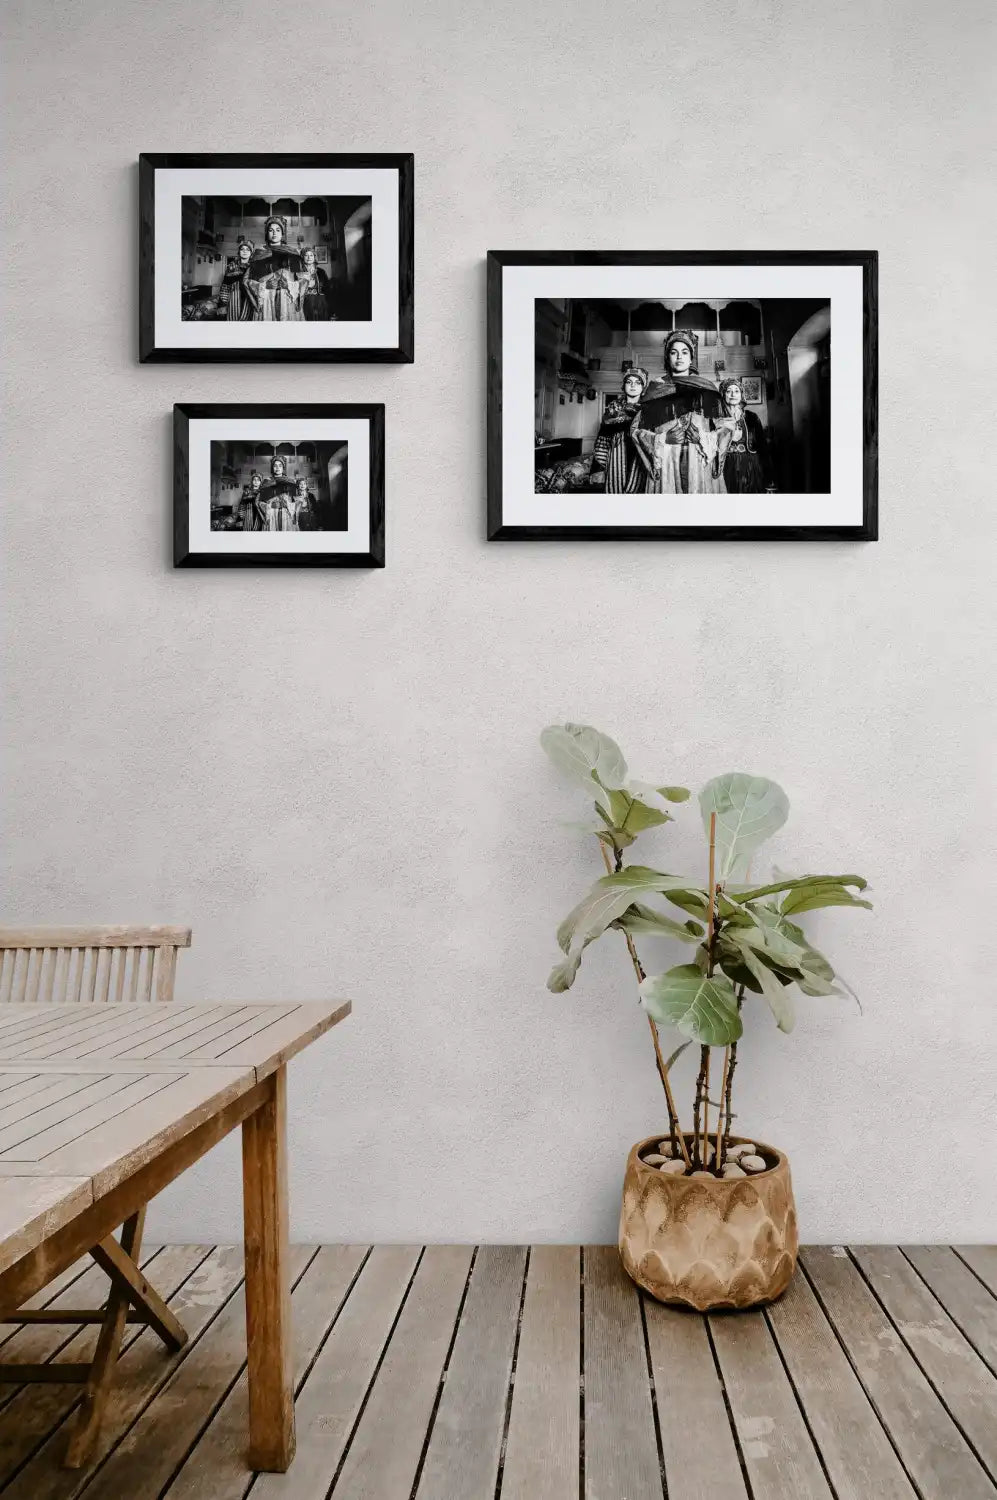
(246, 257)
(681, 395)
(278, 486)
(288, 260)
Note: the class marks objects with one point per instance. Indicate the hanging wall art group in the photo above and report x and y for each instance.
(642, 394)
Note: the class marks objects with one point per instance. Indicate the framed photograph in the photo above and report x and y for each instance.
(247, 257)
(689, 441)
(278, 486)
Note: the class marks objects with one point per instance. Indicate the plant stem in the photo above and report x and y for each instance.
(674, 1129)
(704, 1065)
(719, 1154)
(728, 1117)
(713, 886)
(706, 1112)
(704, 1058)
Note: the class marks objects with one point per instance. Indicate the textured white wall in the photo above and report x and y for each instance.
(336, 778)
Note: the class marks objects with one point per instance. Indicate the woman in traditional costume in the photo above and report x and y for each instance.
(675, 431)
(237, 295)
(304, 514)
(617, 466)
(276, 503)
(313, 289)
(249, 513)
(277, 291)
(745, 456)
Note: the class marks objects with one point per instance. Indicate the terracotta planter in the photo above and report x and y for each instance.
(705, 1242)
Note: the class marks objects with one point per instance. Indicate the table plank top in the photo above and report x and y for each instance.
(89, 1094)
(116, 1037)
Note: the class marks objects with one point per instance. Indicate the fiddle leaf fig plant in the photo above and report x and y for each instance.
(745, 943)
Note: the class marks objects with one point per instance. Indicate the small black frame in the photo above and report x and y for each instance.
(401, 353)
(183, 415)
(867, 530)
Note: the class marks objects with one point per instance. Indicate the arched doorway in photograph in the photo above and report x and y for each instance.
(808, 359)
(356, 238)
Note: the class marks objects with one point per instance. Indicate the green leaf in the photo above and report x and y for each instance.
(615, 839)
(585, 754)
(779, 946)
(639, 918)
(704, 1009)
(749, 810)
(731, 911)
(562, 975)
(792, 883)
(812, 973)
(674, 793)
(775, 993)
(821, 895)
(630, 815)
(689, 899)
(813, 983)
(606, 901)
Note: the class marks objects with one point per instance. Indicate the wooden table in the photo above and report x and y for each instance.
(102, 1106)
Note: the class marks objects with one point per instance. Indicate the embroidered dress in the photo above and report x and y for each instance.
(278, 300)
(277, 295)
(676, 436)
(276, 507)
(744, 462)
(238, 296)
(246, 512)
(313, 296)
(305, 512)
(682, 457)
(616, 451)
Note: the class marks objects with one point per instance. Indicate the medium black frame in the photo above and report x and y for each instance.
(183, 415)
(867, 531)
(401, 353)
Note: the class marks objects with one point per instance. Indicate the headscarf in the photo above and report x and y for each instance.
(725, 386)
(635, 371)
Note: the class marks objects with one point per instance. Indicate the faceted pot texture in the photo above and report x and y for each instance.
(706, 1242)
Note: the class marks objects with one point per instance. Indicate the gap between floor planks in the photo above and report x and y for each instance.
(505, 1373)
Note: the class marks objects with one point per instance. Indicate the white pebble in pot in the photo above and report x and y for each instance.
(746, 1148)
(752, 1163)
(673, 1168)
(665, 1147)
(733, 1170)
(653, 1159)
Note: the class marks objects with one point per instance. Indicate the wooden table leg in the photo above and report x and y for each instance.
(268, 1297)
(98, 1388)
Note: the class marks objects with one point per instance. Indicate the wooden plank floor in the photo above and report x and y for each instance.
(507, 1373)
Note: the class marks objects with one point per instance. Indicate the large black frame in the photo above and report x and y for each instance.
(184, 414)
(401, 353)
(867, 531)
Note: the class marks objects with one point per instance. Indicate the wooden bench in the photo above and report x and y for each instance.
(89, 965)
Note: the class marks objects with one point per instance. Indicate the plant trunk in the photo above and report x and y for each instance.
(674, 1128)
(728, 1087)
(704, 1063)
